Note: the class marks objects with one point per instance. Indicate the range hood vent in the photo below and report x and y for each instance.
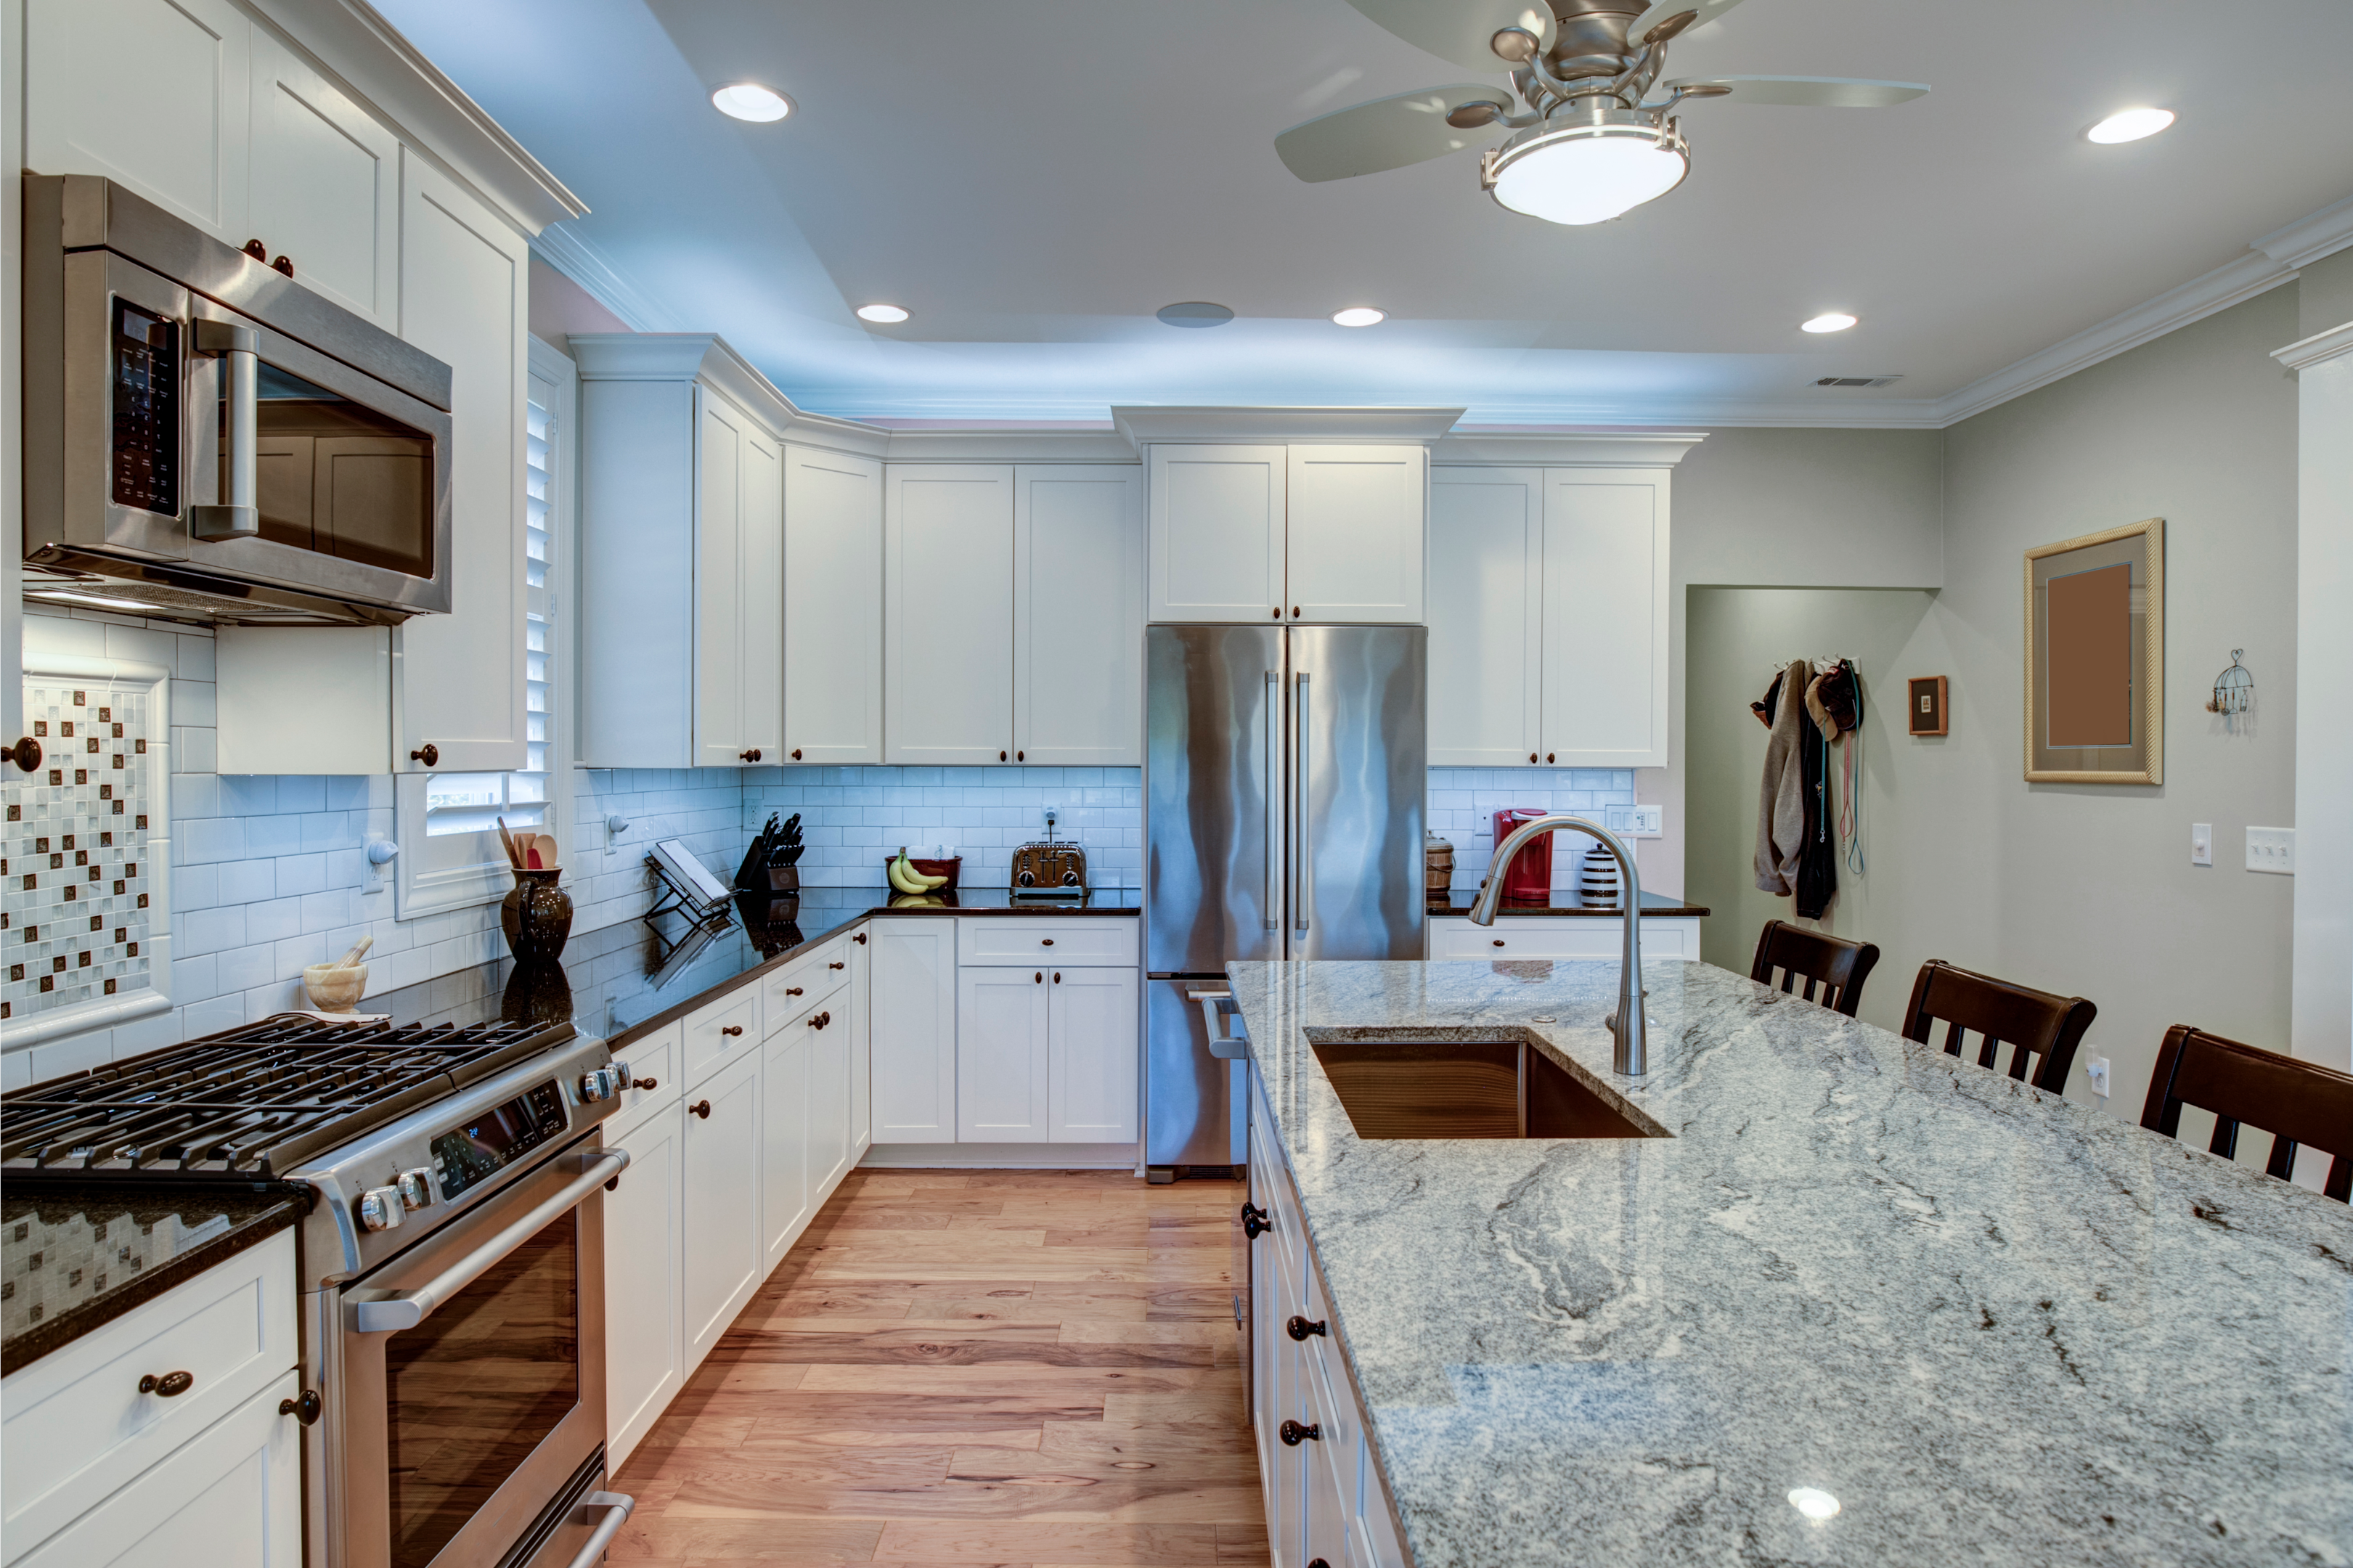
(1858, 381)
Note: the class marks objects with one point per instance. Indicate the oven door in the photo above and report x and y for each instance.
(477, 1428)
(351, 475)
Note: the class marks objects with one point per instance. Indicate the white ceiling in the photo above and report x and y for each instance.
(1034, 178)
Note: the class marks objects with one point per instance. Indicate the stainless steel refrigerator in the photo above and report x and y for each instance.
(1285, 776)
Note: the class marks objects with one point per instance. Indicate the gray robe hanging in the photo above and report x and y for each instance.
(1781, 810)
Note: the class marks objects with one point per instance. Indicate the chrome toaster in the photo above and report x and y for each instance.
(1053, 869)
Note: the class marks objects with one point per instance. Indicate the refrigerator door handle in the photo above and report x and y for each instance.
(1218, 1007)
(1274, 906)
(1302, 902)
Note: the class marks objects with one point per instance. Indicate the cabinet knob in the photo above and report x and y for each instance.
(304, 1409)
(171, 1386)
(1293, 1434)
(428, 753)
(751, 757)
(819, 1020)
(1319, 1562)
(1294, 612)
(643, 1083)
(1000, 756)
(257, 250)
(26, 753)
(1254, 1221)
(791, 990)
(1532, 756)
(1299, 1327)
(860, 939)
(1058, 977)
(1499, 941)
(1278, 612)
(843, 964)
(1020, 757)
(284, 264)
(1549, 756)
(701, 1107)
(1039, 977)
(738, 1028)
(1045, 941)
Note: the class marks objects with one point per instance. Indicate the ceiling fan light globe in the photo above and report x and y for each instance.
(1587, 173)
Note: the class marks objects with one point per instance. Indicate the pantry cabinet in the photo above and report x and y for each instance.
(911, 1023)
(1304, 533)
(833, 608)
(1078, 538)
(947, 615)
(1548, 617)
(645, 1237)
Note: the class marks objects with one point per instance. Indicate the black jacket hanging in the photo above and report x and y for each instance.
(1817, 863)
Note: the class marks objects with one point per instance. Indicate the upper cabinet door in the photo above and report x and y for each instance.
(1355, 552)
(833, 608)
(720, 433)
(463, 276)
(760, 577)
(151, 93)
(947, 616)
(1217, 533)
(1605, 617)
(325, 185)
(1486, 616)
(1078, 615)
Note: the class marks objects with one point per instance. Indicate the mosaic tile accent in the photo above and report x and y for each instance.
(76, 876)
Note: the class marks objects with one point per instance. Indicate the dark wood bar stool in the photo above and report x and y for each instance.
(2034, 1023)
(2298, 1102)
(1833, 962)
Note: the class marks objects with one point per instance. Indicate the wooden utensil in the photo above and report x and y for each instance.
(547, 851)
(514, 856)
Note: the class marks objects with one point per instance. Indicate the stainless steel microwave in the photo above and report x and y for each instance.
(207, 439)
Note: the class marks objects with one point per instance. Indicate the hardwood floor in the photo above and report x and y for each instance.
(1001, 1367)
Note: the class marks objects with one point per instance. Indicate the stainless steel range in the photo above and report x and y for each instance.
(452, 1262)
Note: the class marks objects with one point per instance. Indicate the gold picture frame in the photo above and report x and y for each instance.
(2095, 658)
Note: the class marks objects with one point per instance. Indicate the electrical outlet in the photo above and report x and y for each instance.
(2201, 843)
(1635, 821)
(2097, 1069)
(2272, 849)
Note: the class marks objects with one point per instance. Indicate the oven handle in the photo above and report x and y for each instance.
(409, 1310)
(617, 1507)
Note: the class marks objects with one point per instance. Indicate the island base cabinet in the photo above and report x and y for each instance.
(230, 1498)
(722, 1224)
(644, 1261)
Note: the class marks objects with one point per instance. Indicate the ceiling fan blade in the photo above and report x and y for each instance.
(1808, 91)
(1708, 11)
(1460, 30)
(1386, 133)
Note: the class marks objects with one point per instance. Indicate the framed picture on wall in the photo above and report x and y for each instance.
(2095, 658)
(1925, 707)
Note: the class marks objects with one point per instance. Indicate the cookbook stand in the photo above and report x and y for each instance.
(679, 897)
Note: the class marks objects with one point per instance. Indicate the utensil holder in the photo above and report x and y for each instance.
(536, 917)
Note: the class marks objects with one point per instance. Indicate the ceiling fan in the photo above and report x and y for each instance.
(1589, 143)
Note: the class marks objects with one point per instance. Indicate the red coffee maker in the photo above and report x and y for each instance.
(1528, 877)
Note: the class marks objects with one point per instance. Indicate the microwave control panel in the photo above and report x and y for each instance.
(146, 395)
(466, 1156)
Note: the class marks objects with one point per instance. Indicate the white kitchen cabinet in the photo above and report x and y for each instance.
(645, 1232)
(830, 1136)
(859, 1034)
(786, 1116)
(833, 608)
(325, 185)
(1093, 1040)
(1486, 617)
(1563, 937)
(152, 94)
(947, 618)
(739, 587)
(1354, 549)
(232, 1497)
(1217, 533)
(1605, 617)
(1078, 538)
(458, 678)
(1004, 1058)
(911, 1022)
(724, 1260)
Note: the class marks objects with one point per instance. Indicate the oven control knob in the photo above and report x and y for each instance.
(380, 1208)
(601, 1084)
(415, 1188)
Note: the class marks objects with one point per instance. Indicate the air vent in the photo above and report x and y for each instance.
(1859, 381)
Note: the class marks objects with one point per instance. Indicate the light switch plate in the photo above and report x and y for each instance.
(1635, 821)
(2201, 843)
(2097, 1069)
(2272, 849)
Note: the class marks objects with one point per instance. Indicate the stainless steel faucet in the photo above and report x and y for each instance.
(1630, 1057)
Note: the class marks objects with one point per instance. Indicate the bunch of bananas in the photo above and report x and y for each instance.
(907, 879)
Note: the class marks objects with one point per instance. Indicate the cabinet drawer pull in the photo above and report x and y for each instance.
(643, 1083)
(791, 990)
(1039, 977)
(738, 1028)
(797, 753)
(1254, 1221)
(1499, 941)
(1299, 1327)
(1549, 756)
(1045, 941)
(171, 1386)
(428, 753)
(1058, 977)
(820, 1020)
(860, 939)
(701, 1107)
(305, 1409)
(1000, 756)
(751, 757)
(1278, 612)
(1020, 757)
(1532, 756)
(843, 964)
(284, 264)
(1293, 1434)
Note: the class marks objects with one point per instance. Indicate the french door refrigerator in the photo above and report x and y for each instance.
(1284, 775)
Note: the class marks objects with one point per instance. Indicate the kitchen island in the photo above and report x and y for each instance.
(1994, 1326)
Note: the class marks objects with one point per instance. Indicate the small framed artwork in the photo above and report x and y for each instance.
(2095, 658)
(1927, 705)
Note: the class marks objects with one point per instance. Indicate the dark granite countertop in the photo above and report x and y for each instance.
(75, 1256)
(1457, 901)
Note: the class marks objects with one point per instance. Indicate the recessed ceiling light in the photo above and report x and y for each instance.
(1195, 313)
(750, 100)
(1830, 322)
(2130, 125)
(1814, 1503)
(886, 314)
(1360, 316)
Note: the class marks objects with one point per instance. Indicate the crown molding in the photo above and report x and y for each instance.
(563, 248)
(2307, 239)
(1147, 423)
(387, 72)
(980, 443)
(2318, 348)
(1562, 448)
(706, 357)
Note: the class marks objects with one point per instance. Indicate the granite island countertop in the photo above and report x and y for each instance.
(1998, 1327)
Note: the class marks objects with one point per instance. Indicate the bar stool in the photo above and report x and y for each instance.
(2298, 1102)
(2035, 1023)
(1836, 965)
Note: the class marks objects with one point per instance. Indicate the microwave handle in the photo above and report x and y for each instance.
(413, 1307)
(240, 517)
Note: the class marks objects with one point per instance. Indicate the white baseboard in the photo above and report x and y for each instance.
(1001, 1157)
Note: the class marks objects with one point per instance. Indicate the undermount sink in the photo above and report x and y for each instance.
(1498, 1086)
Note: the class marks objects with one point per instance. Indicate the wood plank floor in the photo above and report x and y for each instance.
(950, 1369)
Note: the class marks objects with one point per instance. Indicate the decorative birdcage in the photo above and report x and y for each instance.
(2234, 693)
